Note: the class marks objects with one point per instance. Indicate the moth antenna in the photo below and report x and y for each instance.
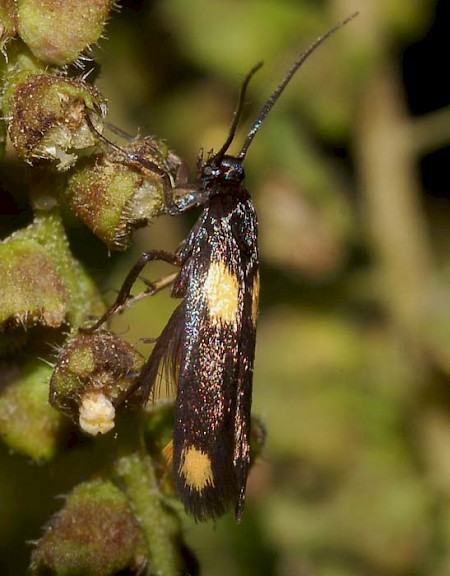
(238, 111)
(280, 88)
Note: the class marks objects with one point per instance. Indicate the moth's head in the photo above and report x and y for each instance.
(219, 174)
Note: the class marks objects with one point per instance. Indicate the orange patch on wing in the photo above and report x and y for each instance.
(222, 294)
(195, 467)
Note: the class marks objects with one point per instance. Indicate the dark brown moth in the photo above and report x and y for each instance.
(208, 345)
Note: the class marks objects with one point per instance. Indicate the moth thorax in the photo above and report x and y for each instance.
(232, 169)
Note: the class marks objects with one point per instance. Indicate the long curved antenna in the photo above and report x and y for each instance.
(290, 73)
(237, 112)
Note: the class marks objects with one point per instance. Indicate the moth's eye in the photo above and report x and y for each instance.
(207, 170)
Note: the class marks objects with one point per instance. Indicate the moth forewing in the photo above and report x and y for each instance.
(212, 419)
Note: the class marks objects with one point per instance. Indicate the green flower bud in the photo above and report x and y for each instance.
(28, 424)
(57, 32)
(31, 290)
(8, 22)
(96, 532)
(113, 197)
(41, 283)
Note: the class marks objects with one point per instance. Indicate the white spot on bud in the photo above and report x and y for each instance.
(96, 414)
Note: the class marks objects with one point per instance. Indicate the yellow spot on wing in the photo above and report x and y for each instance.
(195, 467)
(255, 299)
(222, 294)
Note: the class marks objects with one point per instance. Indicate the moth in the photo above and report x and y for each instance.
(208, 345)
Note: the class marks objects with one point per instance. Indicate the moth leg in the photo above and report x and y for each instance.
(152, 287)
(188, 195)
(119, 132)
(130, 157)
(177, 198)
(124, 295)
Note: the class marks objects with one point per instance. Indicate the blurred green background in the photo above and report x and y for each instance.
(350, 179)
